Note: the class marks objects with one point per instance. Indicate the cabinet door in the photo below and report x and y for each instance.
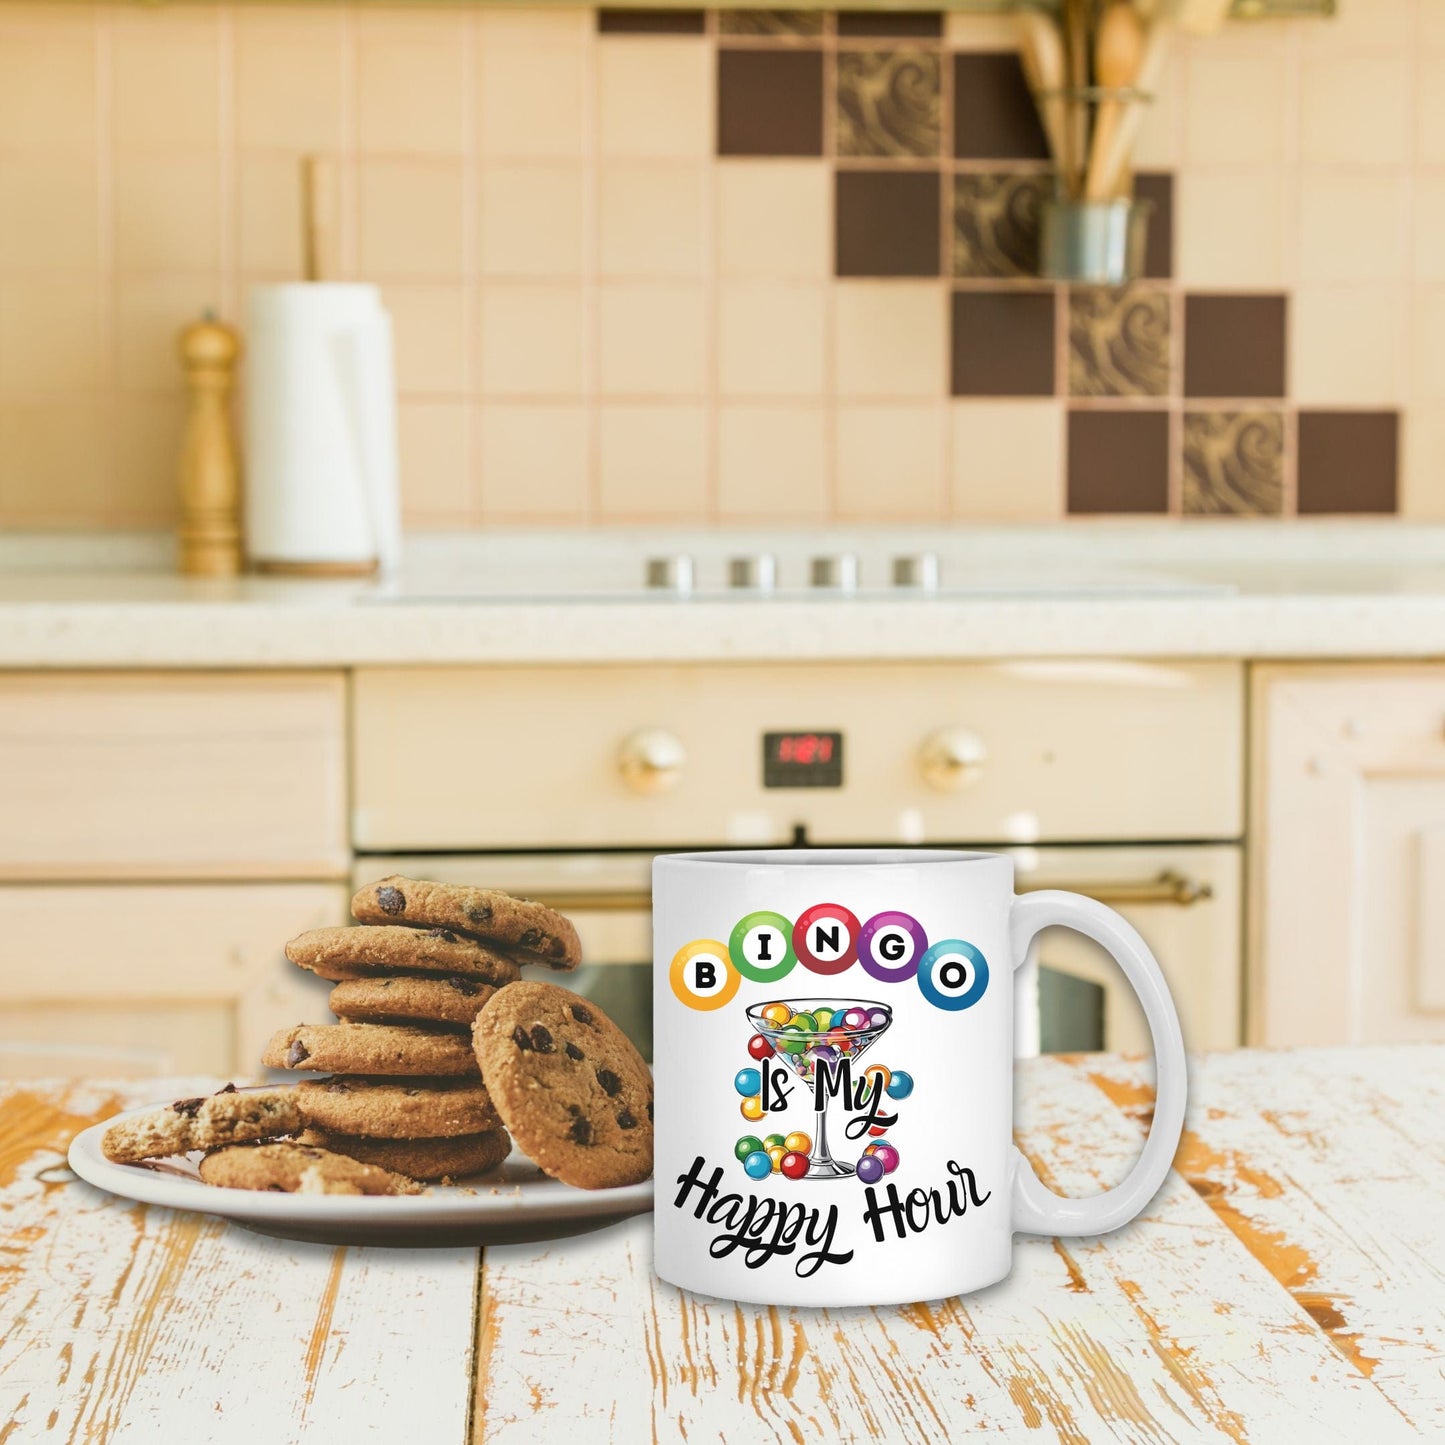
(174, 775)
(1347, 897)
(154, 979)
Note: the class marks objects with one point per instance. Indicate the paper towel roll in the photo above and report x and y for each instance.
(321, 467)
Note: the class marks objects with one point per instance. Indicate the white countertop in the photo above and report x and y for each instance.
(1338, 589)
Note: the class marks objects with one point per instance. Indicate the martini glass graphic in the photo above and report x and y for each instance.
(807, 1042)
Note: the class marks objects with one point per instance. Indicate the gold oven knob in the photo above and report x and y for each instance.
(952, 758)
(651, 760)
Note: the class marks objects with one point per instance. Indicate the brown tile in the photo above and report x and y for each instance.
(1233, 463)
(770, 103)
(1118, 461)
(1003, 343)
(1157, 187)
(887, 223)
(1348, 461)
(1234, 345)
(996, 224)
(780, 23)
(889, 103)
(993, 113)
(1118, 341)
(926, 23)
(650, 22)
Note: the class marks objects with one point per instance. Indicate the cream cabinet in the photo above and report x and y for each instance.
(1347, 875)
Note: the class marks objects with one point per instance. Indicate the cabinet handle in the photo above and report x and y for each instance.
(1169, 887)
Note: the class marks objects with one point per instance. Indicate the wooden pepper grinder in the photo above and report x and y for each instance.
(210, 527)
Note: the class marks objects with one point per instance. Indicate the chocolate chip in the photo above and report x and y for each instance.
(532, 938)
(609, 1081)
(625, 1120)
(573, 1052)
(445, 933)
(229, 1089)
(581, 1014)
(542, 1040)
(519, 1037)
(387, 982)
(465, 986)
(188, 1107)
(276, 1188)
(580, 1132)
(297, 1053)
(649, 1111)
(311, 1153)
(574, 1109)
(391, 901)
(337, 1086)
(479, 913)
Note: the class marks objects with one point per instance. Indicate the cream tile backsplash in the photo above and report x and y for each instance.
(597, 318)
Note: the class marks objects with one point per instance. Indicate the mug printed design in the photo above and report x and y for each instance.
(827, 939)
(820, 1041)
(814, 1052)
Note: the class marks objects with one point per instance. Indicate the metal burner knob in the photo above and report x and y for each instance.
(838, 572)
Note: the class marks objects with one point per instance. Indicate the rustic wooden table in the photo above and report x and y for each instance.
(1288, 1284)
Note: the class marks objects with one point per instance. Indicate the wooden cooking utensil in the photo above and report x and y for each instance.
(1076, 123)
(1118, 54)
(1114, 162)
(1042, 55)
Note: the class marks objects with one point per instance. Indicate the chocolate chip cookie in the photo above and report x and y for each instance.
(568, 1083)
(361, 952)
(233, 1116)
(450, 1002)
(397, 1108)
(532, 931)
(453, 1158)
(348, 1048)
(299, 1169)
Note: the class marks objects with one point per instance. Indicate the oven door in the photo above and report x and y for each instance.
(1184, 899)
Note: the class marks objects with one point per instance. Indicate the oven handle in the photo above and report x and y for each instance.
(1169, 887)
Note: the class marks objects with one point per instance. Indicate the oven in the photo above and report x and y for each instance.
(1119, 780)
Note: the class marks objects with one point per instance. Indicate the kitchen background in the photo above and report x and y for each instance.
(734, 267)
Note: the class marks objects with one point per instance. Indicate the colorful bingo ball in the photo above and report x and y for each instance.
(702, 975)
(761, 947)
(823, 1017)
(752, 1109)
(798, 1142)
(886, 1155)
(855, 1018)
(777, 1013)
(748, 1144)
(878, 1017)
(825, 938)
(824, 1054)
(775, 1141)
(794, 1165)
(806, 1022)
(757, 1165)
(876, 1075)
(900, 1086)
(792, 1039)
(876, 1131)
(760, 1048)
(953, 975)
(890, 946)
(748, 1082)
(776, 1155)
(839, 1014)
(870, 1168)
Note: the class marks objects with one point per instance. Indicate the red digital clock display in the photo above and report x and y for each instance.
(803, 760)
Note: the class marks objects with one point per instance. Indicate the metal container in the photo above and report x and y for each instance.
(1099, 243)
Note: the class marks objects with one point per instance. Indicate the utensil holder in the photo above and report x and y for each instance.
(1098, 243)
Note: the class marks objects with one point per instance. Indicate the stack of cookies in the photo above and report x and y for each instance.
(439, 1052)
(405, 1092)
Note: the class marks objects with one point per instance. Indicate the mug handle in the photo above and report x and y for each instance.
(1037, 1210)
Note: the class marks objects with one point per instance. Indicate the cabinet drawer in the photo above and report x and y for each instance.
(462, 758)
(155, 978)
(180, 776)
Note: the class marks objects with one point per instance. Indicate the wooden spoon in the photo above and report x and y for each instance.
(1041, 53)
(1118, 54)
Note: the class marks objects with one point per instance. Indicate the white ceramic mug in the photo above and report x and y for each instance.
(784, 980)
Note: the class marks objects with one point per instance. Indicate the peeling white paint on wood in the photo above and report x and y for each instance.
(1286, 1286)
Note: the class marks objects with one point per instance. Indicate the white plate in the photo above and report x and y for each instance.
(514, 1204)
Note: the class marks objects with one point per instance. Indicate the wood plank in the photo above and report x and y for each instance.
(120, 1322)
(1166, 1330)
(1329, 1166)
